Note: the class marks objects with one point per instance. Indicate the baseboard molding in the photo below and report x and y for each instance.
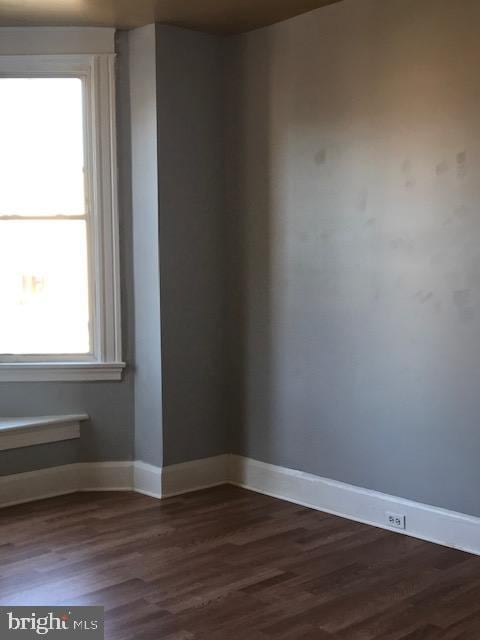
(429, 523)
(69, 478)
(136, 476)
(147, 479)
(105, 476)
(37, 485)
(195, 475)
(181, 478)
(433, 524)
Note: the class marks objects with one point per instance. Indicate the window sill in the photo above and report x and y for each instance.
(16, 433)
(60, 371)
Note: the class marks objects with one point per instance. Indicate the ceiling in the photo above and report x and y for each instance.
(216, 16)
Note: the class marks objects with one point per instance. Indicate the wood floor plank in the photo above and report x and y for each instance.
(229, 564)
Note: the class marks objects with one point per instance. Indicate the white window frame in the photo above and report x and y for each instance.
(97, 72)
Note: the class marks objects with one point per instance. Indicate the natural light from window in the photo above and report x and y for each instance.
(44, 293)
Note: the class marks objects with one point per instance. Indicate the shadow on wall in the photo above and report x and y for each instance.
(248, 188)
(352, 153)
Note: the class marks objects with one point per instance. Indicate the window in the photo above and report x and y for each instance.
(59, 298)
(44, 279)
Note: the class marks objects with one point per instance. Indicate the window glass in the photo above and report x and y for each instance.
(44, 297)
(41, 147)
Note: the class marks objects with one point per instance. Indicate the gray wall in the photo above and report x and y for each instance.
(353, 150)
(192, 242)
(108, 435)
(351, 141)
(148, 364)
(170, 128)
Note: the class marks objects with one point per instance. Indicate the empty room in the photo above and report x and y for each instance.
(240, 319)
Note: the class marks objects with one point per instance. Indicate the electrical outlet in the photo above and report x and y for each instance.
(396, 520)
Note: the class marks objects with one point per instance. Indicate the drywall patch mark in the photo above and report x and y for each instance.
(461, 299)
(423, 296)
(320, 157)
(468, 315)
(462, 167)
(410, 182)
(371, 222)
(441, 168)
(362, 202)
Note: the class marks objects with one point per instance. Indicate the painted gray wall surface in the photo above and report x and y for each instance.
(108, 435)
(353, 149)
(148, 366)
(192, 242)
(175, 131)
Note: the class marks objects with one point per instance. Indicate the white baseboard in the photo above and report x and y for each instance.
(429, 523)
(195, 475)
(114, 476)
(147, 479)
(433, 524)
(69, 478)
(105, 476)
(37, 485)
(16, 433)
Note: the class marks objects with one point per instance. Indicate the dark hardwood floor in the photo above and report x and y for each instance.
(227, 564)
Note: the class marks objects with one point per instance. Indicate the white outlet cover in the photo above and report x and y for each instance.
(396, 520)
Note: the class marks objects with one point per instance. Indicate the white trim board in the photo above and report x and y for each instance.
(147, 479)
(196, 475)
(60, 371)
(26, 432)
(178, 479)
(97, 75)
(113, 476)
(428, 523)
(425, 522)
(37, 485)
(105, 476)
(69, 478)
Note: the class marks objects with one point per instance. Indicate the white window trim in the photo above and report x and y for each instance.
(105, 363)
(26, 432)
